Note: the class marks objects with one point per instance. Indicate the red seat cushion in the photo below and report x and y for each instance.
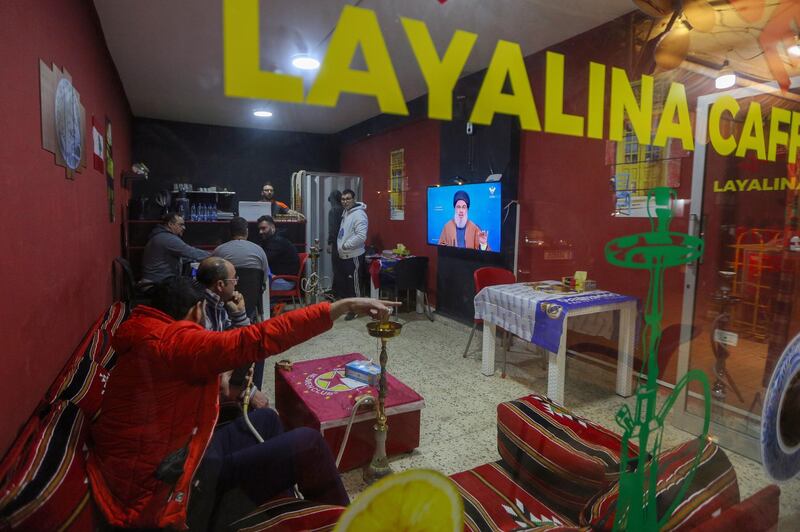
(713, 489)
(494, 500)
(289, 514)
(557, 454)
(44, 474)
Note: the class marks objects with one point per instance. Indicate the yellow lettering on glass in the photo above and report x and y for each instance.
(777, 116)
(752, 137)
(358, 28)
(722, 145)
(597, 93)
(243, 75)
(794, 137)
(440, 75)
(506, 61)
(555, 119)
(623, 101)
(682, 129)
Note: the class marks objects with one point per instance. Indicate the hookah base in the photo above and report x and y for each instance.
(379, 466)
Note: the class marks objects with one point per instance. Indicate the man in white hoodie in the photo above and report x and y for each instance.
(350, 244)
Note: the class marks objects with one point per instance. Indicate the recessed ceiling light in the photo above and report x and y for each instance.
(263, 114)
(305, 62)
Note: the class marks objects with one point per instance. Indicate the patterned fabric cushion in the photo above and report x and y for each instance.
(556, 454)
(85, 374)
(289, 514)
(493, 500)
(713, 489)
(110, 322)
(44, 475)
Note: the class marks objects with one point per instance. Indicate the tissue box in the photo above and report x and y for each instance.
(363, 371)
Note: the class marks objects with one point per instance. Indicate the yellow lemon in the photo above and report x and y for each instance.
(414, 500)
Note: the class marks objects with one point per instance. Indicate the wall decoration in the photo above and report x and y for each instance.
(397, 185)
(109, 172)
(98, 146)
(63, 119)
(780, 435)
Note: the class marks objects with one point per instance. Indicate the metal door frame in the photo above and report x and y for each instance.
(734, 440)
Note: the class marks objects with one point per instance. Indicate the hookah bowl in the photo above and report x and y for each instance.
(379, 466)
(654, 251)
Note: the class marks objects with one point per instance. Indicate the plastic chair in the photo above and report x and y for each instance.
(294, 292)
(491, 276)
(251, 285)
(410, 274)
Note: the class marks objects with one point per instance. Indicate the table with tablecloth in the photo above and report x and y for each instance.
(517, 308)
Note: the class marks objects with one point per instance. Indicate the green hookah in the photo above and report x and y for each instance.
(654, 251)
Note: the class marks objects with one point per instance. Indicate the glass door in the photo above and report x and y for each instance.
(742, 298)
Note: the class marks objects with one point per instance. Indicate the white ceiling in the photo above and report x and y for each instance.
(169, 53)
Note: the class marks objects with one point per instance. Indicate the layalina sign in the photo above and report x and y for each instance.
(359, 28)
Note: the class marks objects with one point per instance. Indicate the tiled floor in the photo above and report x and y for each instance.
(458, 429)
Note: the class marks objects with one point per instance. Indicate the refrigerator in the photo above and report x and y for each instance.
(310, 192)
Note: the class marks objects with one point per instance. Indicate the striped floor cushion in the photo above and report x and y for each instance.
(553, 452)
(713, 489)
(493, 500)
(289, 515)
(44, 482)
(84, 377)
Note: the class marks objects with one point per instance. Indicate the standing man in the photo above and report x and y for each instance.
(278, 207)
(334, 223)
(350, 244)
(461, 232)
(281, 254)
(164, 251)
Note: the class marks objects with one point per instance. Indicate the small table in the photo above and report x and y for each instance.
(315, 394)
(513, 307)
(376, 263)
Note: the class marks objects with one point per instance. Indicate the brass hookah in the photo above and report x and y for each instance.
(654, 251)
(314, 286)
(379, 466)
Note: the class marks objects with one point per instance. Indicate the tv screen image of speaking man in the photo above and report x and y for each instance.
(465, 216)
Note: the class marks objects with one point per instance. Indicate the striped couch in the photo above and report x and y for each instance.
(43, 483)
(559, 471)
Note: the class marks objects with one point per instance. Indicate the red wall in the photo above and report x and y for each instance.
(369, 158)
(55, 235)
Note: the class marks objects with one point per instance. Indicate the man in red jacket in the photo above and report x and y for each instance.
(153, 442)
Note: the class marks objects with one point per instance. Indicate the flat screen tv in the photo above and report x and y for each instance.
(465, 216)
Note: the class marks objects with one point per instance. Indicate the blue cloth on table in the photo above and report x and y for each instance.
(548, 328)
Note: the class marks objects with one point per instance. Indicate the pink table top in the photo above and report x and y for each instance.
(319, 385)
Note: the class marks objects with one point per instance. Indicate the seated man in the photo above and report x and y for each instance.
(164, 251)
(241, 252)
(281, 254)
(153, 445)
(278, 207)
(225, 310)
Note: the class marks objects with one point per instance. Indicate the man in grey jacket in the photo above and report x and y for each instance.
(164, 251)
(350, 245)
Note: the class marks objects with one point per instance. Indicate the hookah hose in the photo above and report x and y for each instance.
(246, 404)
(359, 401)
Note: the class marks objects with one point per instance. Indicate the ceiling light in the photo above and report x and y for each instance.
(726, 77)
(795, 48)
(305, 62)
(263, 114)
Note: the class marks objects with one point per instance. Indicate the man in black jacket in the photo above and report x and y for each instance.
(281, 254)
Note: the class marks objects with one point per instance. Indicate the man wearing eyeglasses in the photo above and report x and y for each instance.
(225, 310)
(164, 250)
